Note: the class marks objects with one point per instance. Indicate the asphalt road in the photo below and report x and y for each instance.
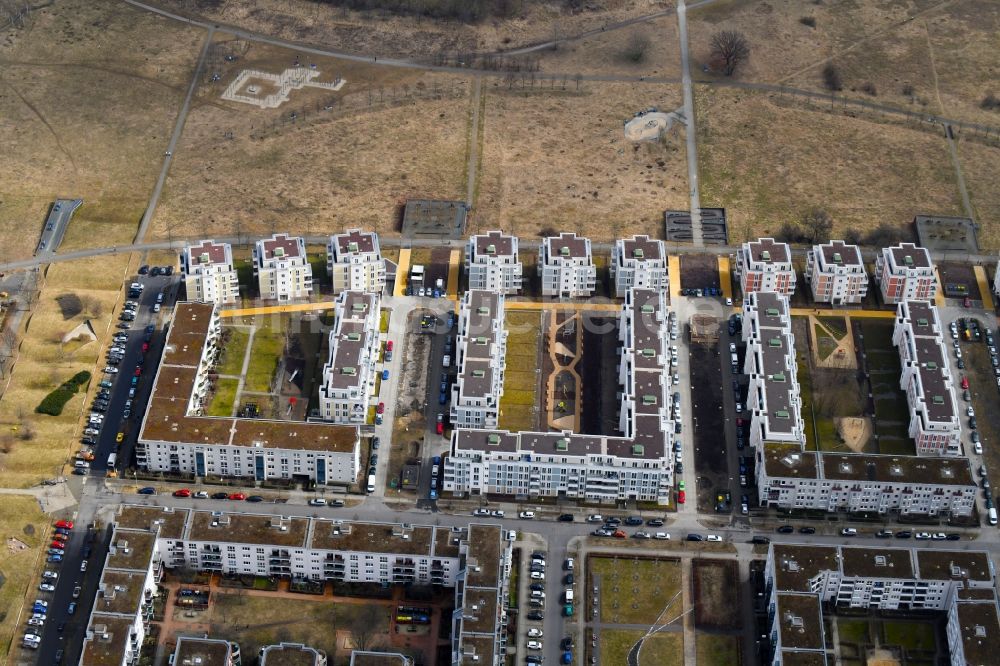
(55, 226)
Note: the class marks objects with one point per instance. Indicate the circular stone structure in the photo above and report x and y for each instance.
(648, 126)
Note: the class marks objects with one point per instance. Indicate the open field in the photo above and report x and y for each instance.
(21, 519)
(717, 650)
(661, 648)
(768, 164)
(89, 119)
(980, 164)
(35, 446)
(234, 350)
(559, 159)
(626, 596)
(388, 134)
(268, 345)
(519, 405)
(716, 589)
(223, 398)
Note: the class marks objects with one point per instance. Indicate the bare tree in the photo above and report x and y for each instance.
(636, 47)
(817, 224)
(367, 625)
(731, 48)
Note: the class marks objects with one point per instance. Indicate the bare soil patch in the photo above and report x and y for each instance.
(717, 593)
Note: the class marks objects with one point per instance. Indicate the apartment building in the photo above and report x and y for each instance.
(926, 378)
(606, 469)
(379, 658)
(354, 262)
(773, 398)
(481, 348)
(566, 266)
(639, 262)
(790, 478)
(175, 436)
(803, 582)
(294, 654)
(475, 560)
(905, 272)
(282, 268)
(349, 372)
(765, 265)
(491, 263)
(836, 273)
(209, 274)
(192, 651)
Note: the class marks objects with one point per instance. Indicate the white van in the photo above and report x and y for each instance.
(993, 516)
(112, 459)
(371, 487)
(446, 362)
(569, 596)
(82, 464)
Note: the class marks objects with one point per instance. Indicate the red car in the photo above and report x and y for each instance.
(60, 537)
(440, 428)
(238, 496)
(65, 524)
(619, 534)
(57, 544)
(183, 492)
(145, 347)
(388, 345)
(381, 408)
(138, 371)
(681, 496)
(965, 382)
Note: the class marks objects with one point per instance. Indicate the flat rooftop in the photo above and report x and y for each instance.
(939, 564)
(492, 244)
(288, 654)
(897, 469)
(771, 310)
(483, 558)
(373, 538)
(281, 246)
(768, 250)
(217, 253)
(909, 256)
(201, 652)
(788, 460)
(377, 659)
(792, 658)
(355, 241)
(109, 635)
(980, 631)
(641, 248)
(131, 549)
(795, 565)
(876, 562)
(566, 246)
(120, 592)
(248, 528)
(839, 253)
(800, 619)
(170, 521)
(480, 610)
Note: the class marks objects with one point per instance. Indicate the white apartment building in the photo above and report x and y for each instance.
(773, 398)
(379, 658)
(176, 437)
(803, 582)
(209, 274)
(491, 263)
(765, 265)
(639, 262)
(926, 378)
(836, 273)
(605, 469)
(354, 261)
(206, 652)
(905, 272)
(282, 268)
(481, 348)
(296, 654)
(566, 266)
(349, 372)
(790, 478)
(475, 560)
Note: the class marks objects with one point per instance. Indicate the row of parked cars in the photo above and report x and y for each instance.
(536, 601)
(61, 533)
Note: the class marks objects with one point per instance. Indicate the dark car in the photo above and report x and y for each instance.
(953, 536)
(537, 616)
(220, 496)
(785, 529)
(695, 537)
(154, 271)
(904, 535)
(144, 269)
(884, 534)
(255, 498)
(566, 643)
(760, 540)
(537, 586)
(568, 579)
(633, 520)
(566, 518)
(654, 522)
(148, 490)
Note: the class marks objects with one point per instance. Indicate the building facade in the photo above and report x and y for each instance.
(291, 653)
(639, 262)
(349, 372)
(209, 274)
(491, 263)
(282, 268)
(836, 273)
(926, 379)
(905, 272)
(176, 437)
(206, 652)
(354, 261)
(481, 351)
(765, 265)
(566, 266)
(606, 469)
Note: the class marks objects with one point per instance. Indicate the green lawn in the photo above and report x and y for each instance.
(661, 648)
(234, 351)
(910, 635)
(892, 414)
(225, 396)
(318, 264)
(716, 650)
(268, 345)
(836, 325)
(626, 595)
(384, 321)
(520, 389)
(853, 631)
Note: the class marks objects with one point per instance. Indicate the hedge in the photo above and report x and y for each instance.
(54, 402)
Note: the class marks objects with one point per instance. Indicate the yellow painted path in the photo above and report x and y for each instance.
(555, 305)
(939, 299)
(402, 271)
(674, 275)
(725, 281)
(985, 293)
(277, 309)
(453, 268)
(857, 314)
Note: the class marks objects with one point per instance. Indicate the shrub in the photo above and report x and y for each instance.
(869, 88)
(991, 102)
(808, 20)
(53, 403)
(831, 78)
(908, 90)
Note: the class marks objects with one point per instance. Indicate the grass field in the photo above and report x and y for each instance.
(35, 446)
(22, 519)
(768, 164)
(125, 71)
(520, 401)
(717, 593)
(554, 159)
(661, 648)
(234, 350)
(717, 650)
(892, 414)
(268, 346)
(980, 164)
(627, 598)
(224, 397)
(910, 635)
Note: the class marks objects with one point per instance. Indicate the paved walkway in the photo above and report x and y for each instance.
(690, 646)
(454, 268)
(674, 276)
(556, 305)
(855, 314)
(689, 127)
(725, 280)
(402, 272)
(277, 309)
(985, 293)
(243, 371)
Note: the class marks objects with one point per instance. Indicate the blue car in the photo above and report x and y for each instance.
(433, 495)
(443, 398)
(385, 375)
(148, 490)
(567, 657)
(54, 558)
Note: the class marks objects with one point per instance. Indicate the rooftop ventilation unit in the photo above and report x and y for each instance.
(478, 373)
(349, 370)
(922, 322)
(647, 309)
(772, 312)
(483, 310)
(638, 449)
(880, 561)
(938, 399)
(837, 259)
(354, 337)
(774, 342)
(564, 251)
(649, 399)
(649, 353)
(638, 253)
(279, 251)
(562, 444)
(908, 260)
(778, 377)
(765, 255)
(781, 414)
(491, 249)
(493, 439)
(352, 247)
(204, 258)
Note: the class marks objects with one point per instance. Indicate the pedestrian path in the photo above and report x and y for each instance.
(985, 293)
(555, 305)
(454, 266)
(856, 314)
(725, 281)
(276, 309)
(402, 271)
(674, 276)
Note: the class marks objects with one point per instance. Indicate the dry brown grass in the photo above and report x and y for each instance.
(868, 43)
(21, 518)
(560, 159)
(980, 166)
(767, 164)
(88, 97)
(334, 169)
(43, 364)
